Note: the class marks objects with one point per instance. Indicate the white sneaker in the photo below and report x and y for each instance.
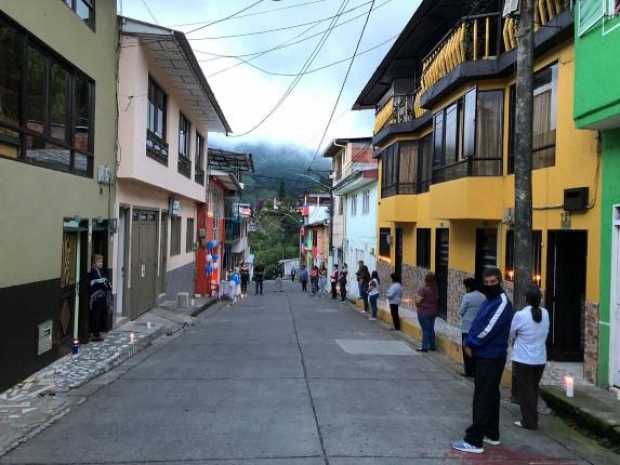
(372, 319)
(491, 442)
(466, 447)
(519, 424)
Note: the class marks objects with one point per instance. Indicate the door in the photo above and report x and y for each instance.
(143, 261)
(121, 261)
(486, 251)
(163, 252)
(398, 253)
(615, 305)
(442, 251)
(565, 297)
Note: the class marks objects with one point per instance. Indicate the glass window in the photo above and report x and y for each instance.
(408, 167)
(438, 140)
(184, 129)
(189, 236)
(200, 151)
(157, 110)
(545, 111)
(423, 248)
(384, 242)
(85, 9)
(489, 133)
(10, 74)
(59, 107)
(452, 134)
(469, 123)
(41, 152)
(83, 108)
(426, 163)
(175, 235)
(36, 70)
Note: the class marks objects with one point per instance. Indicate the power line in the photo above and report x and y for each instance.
(148, 8)
(279, 47)
(313, 70)
(226, 17)
(297, 79)
(256, 13)
(279, 29)
(346, 77)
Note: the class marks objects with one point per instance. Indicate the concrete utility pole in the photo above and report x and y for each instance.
(523, 153)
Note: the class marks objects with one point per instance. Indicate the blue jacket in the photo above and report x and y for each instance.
(489, 332)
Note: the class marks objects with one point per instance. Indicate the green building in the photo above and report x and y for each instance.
(597, 107)
(58, 116)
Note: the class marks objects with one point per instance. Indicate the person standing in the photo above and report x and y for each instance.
(99, 289)
(342, 282)
(334, 282)
(529, 329)
(426, 302)
(363, 279)
(293, 273)
(244, 271)
(314, 279)
(322, 279)
(235, 285)
(303, 278)
(259, 277)
(373, 294)
(470, 305)
(394, 295)
(487, 341)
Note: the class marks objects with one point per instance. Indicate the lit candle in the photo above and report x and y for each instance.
(132, 338)
(569, 383)
(538, 278)
(511, 274)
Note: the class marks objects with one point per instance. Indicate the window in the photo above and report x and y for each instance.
(340, 205)
(407, 167)
(451, 143)
(438, 140)
(389, 171)
(489, 133)
(589, 13)
(85, 9)
(366, 203)
(423, 247)
(425, 161)
(46, 106)
(175, 235)
(544, 124)
(536, 256)
(469, 123)
(199, 177)
(614, 7)
(189, 236)
(185, 163)
(156, 146)
(354, 205)
(384, 242)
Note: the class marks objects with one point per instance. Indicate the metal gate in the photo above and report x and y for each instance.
(144, 253)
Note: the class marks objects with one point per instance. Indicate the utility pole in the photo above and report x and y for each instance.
(523, 153)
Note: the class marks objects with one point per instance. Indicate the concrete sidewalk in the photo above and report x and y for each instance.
(46, 395)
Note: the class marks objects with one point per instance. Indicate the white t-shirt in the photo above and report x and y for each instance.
(529, 337)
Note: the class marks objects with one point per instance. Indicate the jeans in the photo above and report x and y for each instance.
(334, 290)
(343, 290)
(373, 304)
(427, 323)
(486, 401)
(259, 286)
(527, 378)
(244, 284)
(363, 288)
(315, 285)
(395, 316)
(304, 285)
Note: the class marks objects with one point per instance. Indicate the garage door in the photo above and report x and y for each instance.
(143, 261)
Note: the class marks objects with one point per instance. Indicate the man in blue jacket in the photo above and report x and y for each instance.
(487, 342)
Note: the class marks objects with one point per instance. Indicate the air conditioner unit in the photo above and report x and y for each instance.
(509, 216)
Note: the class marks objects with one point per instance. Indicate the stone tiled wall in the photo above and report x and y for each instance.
(590, 332)
(456, 291)
(413, 280)
(384, 269)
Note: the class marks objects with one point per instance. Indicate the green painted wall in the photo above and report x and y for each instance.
(611, 197)
(597, 67)
(34, 200)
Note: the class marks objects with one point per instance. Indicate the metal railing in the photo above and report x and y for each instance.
(544, 11)
(470, 167)
(156, 147)
(399, 109)
(185, 166)
(199, 176)
(404, 188)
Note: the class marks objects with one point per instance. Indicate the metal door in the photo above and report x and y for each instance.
(143, 261)
(163, 252)
(442, 251)
(566, 288)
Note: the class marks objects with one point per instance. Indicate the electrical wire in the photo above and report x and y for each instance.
(344, 82)
(226, 18)
(279, 29)
(148, 8)
(217, 56)
(297, 79)
(255, 14)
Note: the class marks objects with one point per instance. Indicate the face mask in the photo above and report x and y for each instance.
(492, 291)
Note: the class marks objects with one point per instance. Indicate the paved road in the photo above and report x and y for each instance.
(291, 379)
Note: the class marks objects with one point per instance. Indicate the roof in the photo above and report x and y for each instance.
(228, 180)
(356, 181)
(226, 160)
(173, 54)
(337, 144)
(429, 23)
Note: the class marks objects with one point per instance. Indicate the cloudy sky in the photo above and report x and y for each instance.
(247, 94)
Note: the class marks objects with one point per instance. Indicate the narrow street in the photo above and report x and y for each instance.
(290, 379)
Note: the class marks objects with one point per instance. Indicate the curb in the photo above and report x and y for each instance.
(209, 303)
(583, 417)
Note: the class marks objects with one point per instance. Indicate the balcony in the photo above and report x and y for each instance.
(184, 166)
(156, 148)
(199, 176)
(399, 109)
(468, 198)
(545, 11)
(399, 208)
(469, 167)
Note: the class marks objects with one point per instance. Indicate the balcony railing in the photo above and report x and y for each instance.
(199, 176)
(468, 168)
(156, 148)
(185, 166)
(545, 11)
(404, 188)
(473, 38)
(399, 109)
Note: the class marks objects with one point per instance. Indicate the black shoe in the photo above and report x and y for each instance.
(419, 349)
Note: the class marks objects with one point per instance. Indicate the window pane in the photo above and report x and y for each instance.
(58, 102)
(451, 134)
(469, 124)
(9, 143)
(82, 115)
(10, 74)
(84, 11)
(43, 153)
(438, 158)
(544, 117)
(35, 89)
(408, 169)
(82, 164)
(489, 133)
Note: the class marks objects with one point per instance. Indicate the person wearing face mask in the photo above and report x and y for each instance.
(487, 343)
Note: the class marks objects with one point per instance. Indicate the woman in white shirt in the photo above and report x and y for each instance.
(529, 329)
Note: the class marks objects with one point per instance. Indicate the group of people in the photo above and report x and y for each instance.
(239, 279)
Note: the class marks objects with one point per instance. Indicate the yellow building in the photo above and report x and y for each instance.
(444, 135)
